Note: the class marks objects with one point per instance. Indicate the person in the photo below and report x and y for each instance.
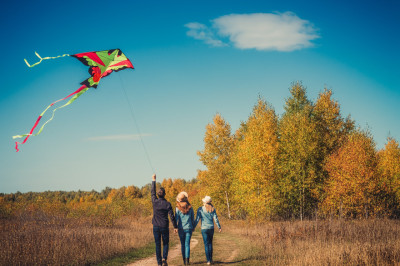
(161, 209)
(207, 214)
(184, 215)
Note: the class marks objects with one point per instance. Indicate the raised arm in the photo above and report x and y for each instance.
(153, 189)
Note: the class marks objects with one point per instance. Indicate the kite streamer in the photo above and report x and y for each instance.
(101, 64)
(44, 58)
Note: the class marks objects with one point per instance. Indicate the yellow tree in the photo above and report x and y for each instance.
(389, 169)
(254, 162)
(172, 188)
(353, 183)
(332, 130)
(218, 145)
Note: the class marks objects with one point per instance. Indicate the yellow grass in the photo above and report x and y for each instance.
(356, 242)
(51, 240)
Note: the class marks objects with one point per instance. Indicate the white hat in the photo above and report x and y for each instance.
(207, 199)
(181, 196)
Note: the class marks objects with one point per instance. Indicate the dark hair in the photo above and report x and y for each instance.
(161, 192)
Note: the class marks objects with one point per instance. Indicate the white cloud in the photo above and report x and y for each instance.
(118, 137)
(201, 32)
(261, 31)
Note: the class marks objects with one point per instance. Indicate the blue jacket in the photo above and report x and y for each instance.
(185, 221)
(206, 219)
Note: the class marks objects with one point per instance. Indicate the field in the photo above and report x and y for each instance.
(353, 242)
(42, 239)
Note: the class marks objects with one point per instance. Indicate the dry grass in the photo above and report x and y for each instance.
(356, 242)
(51, 240)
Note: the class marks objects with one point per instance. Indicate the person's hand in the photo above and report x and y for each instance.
(220, 230)
(154, 177)
(175, 230)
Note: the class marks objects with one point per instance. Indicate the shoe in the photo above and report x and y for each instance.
(164, 263)
(187, 261)
(208, 263)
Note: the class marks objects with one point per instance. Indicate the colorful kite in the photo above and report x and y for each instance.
(101, 64)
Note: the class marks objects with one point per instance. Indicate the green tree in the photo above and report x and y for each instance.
(298, 155)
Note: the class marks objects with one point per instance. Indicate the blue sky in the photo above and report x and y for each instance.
(192, 59)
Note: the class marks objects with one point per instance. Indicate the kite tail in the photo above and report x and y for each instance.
(44, 58)
(76, 94)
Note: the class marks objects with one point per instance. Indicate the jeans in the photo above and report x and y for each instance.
(207, 239)
(184, 236)
(161, 232)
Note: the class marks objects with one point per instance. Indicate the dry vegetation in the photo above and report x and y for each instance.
(354, 242)
(40, 239)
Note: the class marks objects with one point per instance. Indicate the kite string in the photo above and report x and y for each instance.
(136, 124)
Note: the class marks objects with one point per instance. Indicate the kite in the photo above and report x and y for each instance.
(100, 63)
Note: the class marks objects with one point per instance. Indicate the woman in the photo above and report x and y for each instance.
(207, 214)
(184, 215)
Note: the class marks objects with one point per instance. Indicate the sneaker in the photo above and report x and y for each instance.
(208, 263)
(164, 263)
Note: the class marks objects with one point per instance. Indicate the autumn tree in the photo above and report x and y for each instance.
(353, 182)
(218, 145)
(172, 188)
(254, 162)
(389, 170)
(332, 131)
(298, 155)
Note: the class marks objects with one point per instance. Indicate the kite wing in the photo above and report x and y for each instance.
(101, 64)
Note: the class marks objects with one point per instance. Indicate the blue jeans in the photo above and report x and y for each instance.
(185, 236)
(161, 232)
(207, 239)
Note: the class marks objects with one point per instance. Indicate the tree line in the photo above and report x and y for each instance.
(309, 162)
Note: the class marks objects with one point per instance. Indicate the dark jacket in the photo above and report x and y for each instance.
(161, 209)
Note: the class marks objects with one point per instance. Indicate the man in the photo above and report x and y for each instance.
(161, 209)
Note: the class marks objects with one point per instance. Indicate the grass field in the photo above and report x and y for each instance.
(41, 239)
(354, 242)
(51, 240)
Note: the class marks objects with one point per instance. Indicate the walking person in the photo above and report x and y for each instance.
(161, 209)
(207, 214)
(184, 215)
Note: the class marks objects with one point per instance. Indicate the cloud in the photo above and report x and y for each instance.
(118, 137)
(201, 32)
(260, 31)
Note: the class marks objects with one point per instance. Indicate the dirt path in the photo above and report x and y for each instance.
(226, 250)
(172, 255)
(229, 248)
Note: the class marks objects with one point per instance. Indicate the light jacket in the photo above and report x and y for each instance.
(185, 221)
(206, 218)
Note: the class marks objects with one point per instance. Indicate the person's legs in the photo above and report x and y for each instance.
(188, 236)
(210, 248)
(165, 239)
(206, 246)
(181, 234)
(157, 239)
